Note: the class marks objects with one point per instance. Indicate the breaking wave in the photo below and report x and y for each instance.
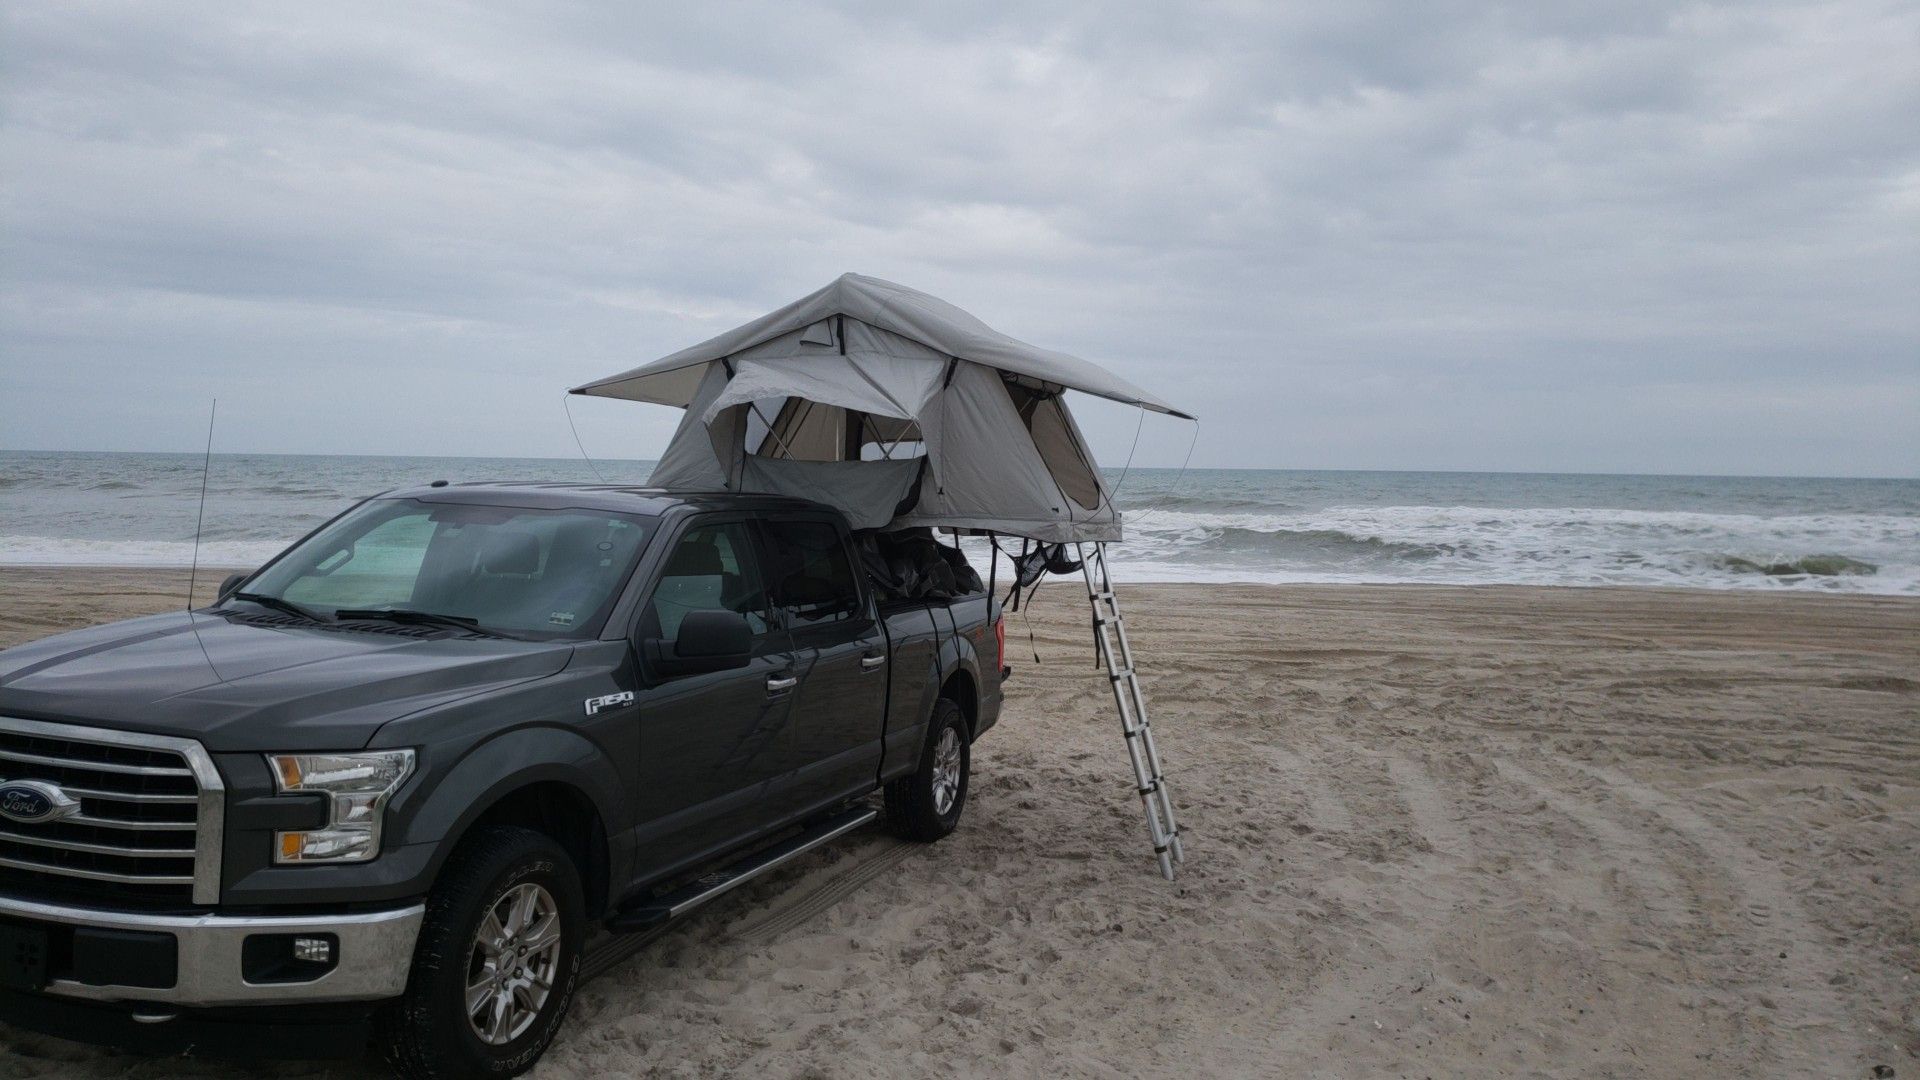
(1558, 546)
(1807, 566)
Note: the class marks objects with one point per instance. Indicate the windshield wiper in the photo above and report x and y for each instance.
(285, 607)
(419, 618)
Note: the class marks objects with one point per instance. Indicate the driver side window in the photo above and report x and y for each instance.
(709, 569)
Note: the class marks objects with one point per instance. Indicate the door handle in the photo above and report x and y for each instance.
(778, 683)
(870, 662)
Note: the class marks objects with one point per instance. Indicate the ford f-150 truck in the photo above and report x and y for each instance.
(390, 784)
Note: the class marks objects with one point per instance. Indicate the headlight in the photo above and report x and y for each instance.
(357, 787)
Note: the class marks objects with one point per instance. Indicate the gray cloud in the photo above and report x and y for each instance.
(1623, 236)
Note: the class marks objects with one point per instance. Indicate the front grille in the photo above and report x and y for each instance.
(145, 835)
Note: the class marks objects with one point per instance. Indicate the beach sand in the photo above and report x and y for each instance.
(1430, 832)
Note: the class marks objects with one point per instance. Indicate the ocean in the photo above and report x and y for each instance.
(1215, 525)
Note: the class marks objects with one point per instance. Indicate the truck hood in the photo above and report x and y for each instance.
(241, 686)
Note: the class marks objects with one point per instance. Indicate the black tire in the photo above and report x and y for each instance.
(426, 1034)
(913, 801)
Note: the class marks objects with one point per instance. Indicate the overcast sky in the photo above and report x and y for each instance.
(1537, 236)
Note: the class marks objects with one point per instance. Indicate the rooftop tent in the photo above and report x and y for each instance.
(894, 406)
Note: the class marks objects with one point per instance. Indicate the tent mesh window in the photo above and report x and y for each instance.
(797, 429)
(875, 438)
(1067, 461)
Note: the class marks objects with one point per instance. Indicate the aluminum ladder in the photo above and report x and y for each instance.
(1110, 637)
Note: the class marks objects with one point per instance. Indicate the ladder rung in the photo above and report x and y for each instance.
(1123, 673)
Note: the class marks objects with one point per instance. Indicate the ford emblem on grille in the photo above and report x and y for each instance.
(31, 802)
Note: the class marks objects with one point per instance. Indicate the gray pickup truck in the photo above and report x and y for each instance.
(388, 788)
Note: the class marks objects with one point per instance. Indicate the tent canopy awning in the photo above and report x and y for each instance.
(929, 320)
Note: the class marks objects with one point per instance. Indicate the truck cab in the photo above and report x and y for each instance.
(392, 782)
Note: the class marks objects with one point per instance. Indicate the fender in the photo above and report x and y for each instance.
(907, 735)
(512, 760)
(958, 653)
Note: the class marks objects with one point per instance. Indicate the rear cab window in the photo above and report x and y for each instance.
(810, 573)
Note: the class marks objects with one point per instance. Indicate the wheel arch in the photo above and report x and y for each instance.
(565, 815)
(547, 779)
(961, 689)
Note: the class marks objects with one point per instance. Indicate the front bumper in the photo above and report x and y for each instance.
(374, 953)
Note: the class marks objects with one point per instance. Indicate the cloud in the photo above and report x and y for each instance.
(1345, 234)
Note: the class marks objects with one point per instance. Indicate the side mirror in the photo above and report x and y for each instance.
(233, 582)
(712, 641)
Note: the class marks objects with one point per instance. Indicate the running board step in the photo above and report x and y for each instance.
(661, 909)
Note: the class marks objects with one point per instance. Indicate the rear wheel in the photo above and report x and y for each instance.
(496, 964)
(926, 805)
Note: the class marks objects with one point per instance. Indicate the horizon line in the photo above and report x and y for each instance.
(1459, 470)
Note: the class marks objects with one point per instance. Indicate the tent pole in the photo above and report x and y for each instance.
(772, 430)
(939, 479)
(993, 568)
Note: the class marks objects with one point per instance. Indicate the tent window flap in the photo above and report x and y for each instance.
(1065, 459)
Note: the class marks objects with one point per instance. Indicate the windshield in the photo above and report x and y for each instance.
(526, 573)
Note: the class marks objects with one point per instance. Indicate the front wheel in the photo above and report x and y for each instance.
(496, 964)
(926, 805)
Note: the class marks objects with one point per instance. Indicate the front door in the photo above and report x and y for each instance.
(713, 752)
(839, 715)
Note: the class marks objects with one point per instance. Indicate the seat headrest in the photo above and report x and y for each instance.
(690, 560)
(511, 553)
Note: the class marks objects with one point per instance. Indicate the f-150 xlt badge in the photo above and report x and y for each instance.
(31, 802)
(610, 701)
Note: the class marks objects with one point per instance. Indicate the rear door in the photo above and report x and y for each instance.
(839, 711)
(713, 746)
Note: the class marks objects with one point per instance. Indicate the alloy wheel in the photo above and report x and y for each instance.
(946, 771)
(512, 964)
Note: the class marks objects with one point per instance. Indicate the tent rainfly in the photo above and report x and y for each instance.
(894, 406)
(902, 410)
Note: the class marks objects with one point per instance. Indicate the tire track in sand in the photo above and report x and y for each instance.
(1409, 935)
(1775, 921)
(1435, 816)
(836, 887)
(1656, 887)
(1324, 811)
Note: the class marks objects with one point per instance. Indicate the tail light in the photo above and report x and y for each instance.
(1000, 643)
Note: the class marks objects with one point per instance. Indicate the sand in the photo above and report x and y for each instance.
(1431, 832)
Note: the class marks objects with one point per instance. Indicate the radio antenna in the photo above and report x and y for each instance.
(206, 466)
